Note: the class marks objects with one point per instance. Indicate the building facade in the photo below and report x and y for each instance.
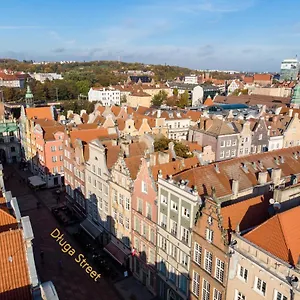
(107, 97)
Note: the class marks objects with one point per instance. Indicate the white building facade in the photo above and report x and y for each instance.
(108, 97)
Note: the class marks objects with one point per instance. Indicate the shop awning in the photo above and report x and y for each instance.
(115, 252)
(90, 228)
(36, 181)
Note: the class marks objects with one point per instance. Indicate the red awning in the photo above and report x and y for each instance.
(115, 252)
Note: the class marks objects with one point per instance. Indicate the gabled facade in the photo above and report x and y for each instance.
(245, 140)
(260, 138)
(144, 219)
(291, 136)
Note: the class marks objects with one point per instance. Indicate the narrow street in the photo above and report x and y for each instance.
(70, 280)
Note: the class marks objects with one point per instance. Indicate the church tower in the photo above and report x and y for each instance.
(29, 97)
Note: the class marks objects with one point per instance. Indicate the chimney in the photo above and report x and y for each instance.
(235, 187)
(182, 184)
(195, 191)
(260, 164)
(290, 112)
(245, 168)
(276, 176)
(276, 160)
(125, 148)
(295, 155)
(262, 177)
(281, 159)
(160, 175)
(158, 113)
(170, 178)
(254, 165)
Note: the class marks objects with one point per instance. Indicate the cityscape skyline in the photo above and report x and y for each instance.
(213, 34)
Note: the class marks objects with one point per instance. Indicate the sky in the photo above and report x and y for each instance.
(251, 35)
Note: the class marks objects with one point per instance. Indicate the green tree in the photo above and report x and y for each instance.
(184, 99)
(161, 144)
(175, 92)
(124, 99)
(159, 98)
(182, 150)
(83, 86)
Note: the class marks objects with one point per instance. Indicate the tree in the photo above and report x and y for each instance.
(159, 98)
(184, 99)
(172, 101)
(175, 92)
(123, 99)
(182, 150)
(161, 144)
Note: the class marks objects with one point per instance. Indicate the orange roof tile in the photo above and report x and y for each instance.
(39, 113)
(262, 77)
(14, 276)
(87, 126)
(279, 235)
(208, 102)
(87, 135)
(7, 221)
(112, 154)
(193, 115)
(192, 146)
(246, 213)
(133, 164)
(137, 148)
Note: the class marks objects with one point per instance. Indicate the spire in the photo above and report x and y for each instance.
(29, 97)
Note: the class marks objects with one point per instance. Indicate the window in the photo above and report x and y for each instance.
(208, 261)
(136, 224)
(94, 183)
(121, 199)
(105, 190)
(61, 158)
(94, 168)
(55, 170)
(217, 295)
(12, 149)
(173, 250)
(209, 234)
(173, 228)
(53, 148)
(144, 187)
(172, 274)
(60, 147)
(127, 204)
(115, 215)
(145, 231)
(205, 290)
(219, 272)
(127, 223)
(140, 205)
(99, 171)
(89, 179)
(222, 143)
(183, 284)
(121, 219)
(260, 286)
(185, 212)
(228, 143)
(54, 159)
(174, 206)
(243, 273)
(99, 186)
(228, 153)
(152, 236)
(222, 154)
(196, 284)
(185, 234)
(197, 253)
(279, 296)
(106, 206)
(239, 296)
(163, 220)
(163, 244)
(148, 211)
(163, 199)
(184, 259)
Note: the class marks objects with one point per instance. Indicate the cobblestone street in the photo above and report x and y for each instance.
(70, 280)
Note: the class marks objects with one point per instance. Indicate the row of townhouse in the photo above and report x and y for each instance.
(230, 230)
(232, 138)
(19, 277)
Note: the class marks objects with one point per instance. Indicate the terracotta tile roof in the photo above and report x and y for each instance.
(133, 164)
(45, 122)
(87, 135)
(142, 109)
(84, 117)
(216, 127)
(279, 235)
(206, 177)
(99, 120)
(112, 154)
(174, 167)
(116, 110)
(247, 213)
(14, 276)
(262, 77)
(101, 109)
(121, 124)
(248, 79)
(39, 113)
(137, 148)
(8, 77)
(285, 111)
(192, 146)
(50, 131)
(193, 115)
(87, 126)
(208, 102)
(7, 221)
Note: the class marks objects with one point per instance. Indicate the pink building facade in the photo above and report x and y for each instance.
(144, 218)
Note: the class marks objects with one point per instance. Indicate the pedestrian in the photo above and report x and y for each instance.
(42, 256)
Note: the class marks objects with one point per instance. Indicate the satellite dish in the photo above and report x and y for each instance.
(271, 201)
(277, 206)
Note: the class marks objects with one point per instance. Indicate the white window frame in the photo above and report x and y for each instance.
(217, 295)
(208, 260)
(279, 296)
(164, 199)
(258, 286)
(209, 235)
(196, 284)
(144, 187)
(174, 206)
(205, 289)
(197, 253)
(243, 273)
(222, 154)
(220, 270)
(239, 296)
(185, 212)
